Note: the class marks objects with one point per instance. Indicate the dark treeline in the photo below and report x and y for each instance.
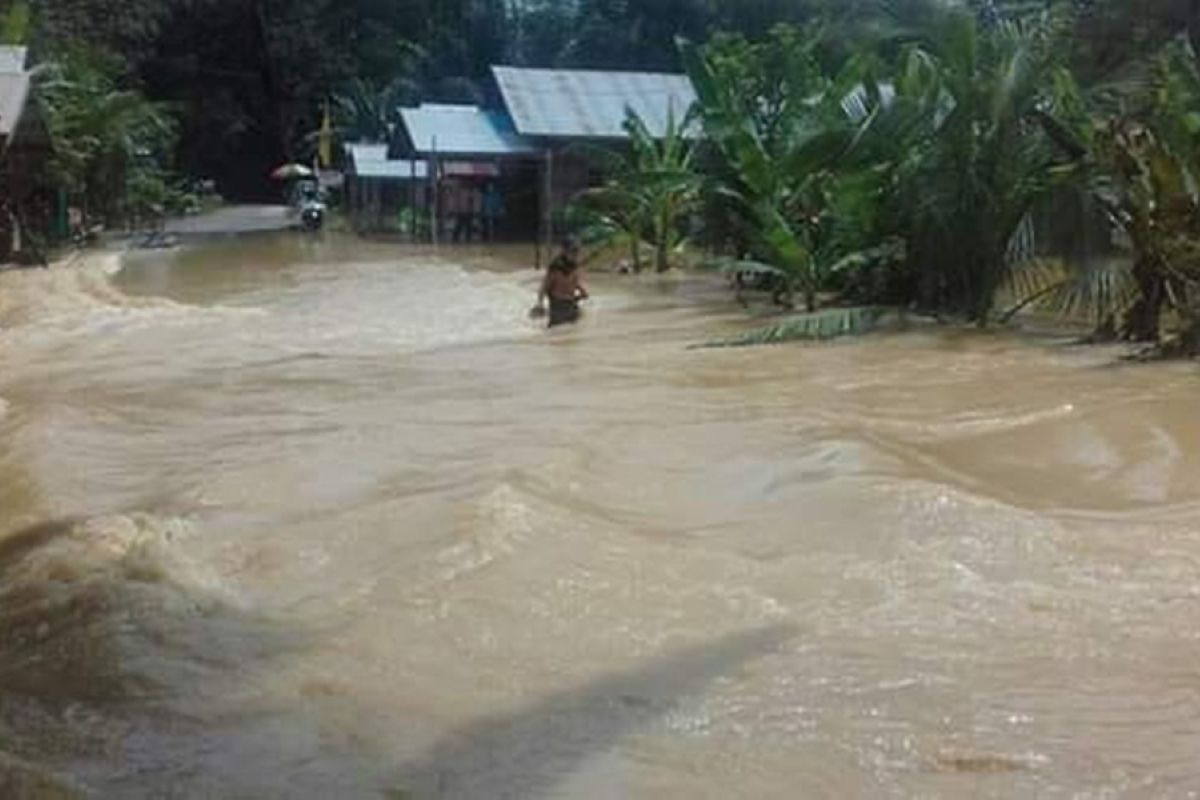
(247, 79)
(885, 152)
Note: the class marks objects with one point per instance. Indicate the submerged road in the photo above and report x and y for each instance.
(233, 219)
(292, 517)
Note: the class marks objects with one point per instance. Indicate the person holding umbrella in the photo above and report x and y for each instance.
(304, 195)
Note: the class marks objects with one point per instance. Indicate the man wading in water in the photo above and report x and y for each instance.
(562, 287)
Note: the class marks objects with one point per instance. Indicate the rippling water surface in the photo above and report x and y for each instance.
(288, 518)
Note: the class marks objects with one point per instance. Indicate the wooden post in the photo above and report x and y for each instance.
(412, 200)
(435, 184)
(550, 200)
(490, 223)
(356, 201)
(546, 232)
(541, 216)
(377, 203)
(373, 204)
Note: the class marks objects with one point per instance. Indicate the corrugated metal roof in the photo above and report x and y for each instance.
(463, 131)
(371, 161)
(12, 58)
(587, 104)
(14, 90)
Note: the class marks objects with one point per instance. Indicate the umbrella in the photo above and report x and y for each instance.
(289, 171)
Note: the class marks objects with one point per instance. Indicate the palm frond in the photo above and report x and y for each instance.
(1093, 292)
(734, 266)
(818, 326)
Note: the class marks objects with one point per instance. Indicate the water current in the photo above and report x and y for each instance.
(298, 518)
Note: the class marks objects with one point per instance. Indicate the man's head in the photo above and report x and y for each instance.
(571, 247)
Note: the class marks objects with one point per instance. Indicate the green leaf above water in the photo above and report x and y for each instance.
(820, 326)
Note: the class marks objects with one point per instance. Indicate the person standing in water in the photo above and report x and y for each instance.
(493, 211)
(562, 287)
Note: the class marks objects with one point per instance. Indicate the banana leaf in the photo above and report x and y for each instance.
(824, 325)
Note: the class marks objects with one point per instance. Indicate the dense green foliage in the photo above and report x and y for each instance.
(876, 152)
(110, 144)
(807, 152)
(909, 170)
(14, 23)
(248, 79)
(1141, 165)
(650, 191)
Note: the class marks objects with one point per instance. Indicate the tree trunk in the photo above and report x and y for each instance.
(272, 81)
(635, 251)
(662, 242)
(1105, 332)
(984, 286)
(1189, 340)
(1143, 322)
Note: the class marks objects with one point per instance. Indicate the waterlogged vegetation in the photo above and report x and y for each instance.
(904, 163)
(650, 193)
(909, 154)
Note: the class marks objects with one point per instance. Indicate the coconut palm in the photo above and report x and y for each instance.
(364, 112)
(991, 151)
(1142, 166)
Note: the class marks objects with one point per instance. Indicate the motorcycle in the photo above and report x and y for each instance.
(309, 206)
(312, 216)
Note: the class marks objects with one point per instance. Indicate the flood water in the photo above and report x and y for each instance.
(289, 518)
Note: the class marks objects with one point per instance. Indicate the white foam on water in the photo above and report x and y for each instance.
(89, 600)
(366, 308)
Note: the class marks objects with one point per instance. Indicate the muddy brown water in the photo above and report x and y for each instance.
(298, 518)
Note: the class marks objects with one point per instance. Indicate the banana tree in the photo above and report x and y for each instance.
(669, 187)
(613, 216)
(807, 162)
(650, 191)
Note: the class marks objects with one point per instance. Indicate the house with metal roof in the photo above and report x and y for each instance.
(561, 109)
(371, 162)
(375, 185)
(463, 133)
(26, 198)
(482, 175)
(560, 104)
(530, 145)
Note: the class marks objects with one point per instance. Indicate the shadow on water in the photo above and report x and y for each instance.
(528, 753)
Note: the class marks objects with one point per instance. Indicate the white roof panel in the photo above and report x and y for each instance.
(591, 104)
(12, 59)
(14, 90)
(371, 161)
